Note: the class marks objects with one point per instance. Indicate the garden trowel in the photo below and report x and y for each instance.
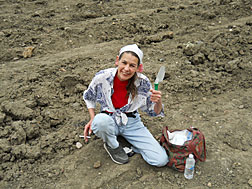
(160, 77)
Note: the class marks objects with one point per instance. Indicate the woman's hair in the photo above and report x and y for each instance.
(131, 88)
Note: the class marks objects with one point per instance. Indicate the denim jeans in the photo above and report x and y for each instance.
(135, 133)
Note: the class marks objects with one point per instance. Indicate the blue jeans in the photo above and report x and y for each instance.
(135, 133)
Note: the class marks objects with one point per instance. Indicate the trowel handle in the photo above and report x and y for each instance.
(156, 86)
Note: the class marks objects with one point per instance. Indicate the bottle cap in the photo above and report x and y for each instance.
(191, 156)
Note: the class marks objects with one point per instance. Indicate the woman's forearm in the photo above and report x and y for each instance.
(158, 107)
(91, 113)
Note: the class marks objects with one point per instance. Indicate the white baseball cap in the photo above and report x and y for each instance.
(133, 48)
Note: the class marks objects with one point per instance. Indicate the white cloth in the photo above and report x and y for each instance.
(179, 137)
(133, 48)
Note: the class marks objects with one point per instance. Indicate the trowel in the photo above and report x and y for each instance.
(160, 77)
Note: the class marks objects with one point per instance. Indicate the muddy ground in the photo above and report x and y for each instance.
(50, 50)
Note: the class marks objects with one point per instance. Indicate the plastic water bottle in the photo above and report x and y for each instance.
(189, 167)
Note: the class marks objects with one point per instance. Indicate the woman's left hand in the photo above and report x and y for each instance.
(156, 96)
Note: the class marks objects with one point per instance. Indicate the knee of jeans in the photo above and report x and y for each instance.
(163, 160)
(158, 159)
(102, 123)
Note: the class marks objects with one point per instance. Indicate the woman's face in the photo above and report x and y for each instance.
(127, 66)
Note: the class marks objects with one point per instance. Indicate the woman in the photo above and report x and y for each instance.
(121, 91)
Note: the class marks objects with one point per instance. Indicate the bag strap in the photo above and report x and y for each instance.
(165, 129)
(192, 147)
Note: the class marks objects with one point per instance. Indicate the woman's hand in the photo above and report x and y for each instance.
(87, 130)
(156, 98)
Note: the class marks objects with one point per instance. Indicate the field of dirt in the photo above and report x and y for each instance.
(51, 49)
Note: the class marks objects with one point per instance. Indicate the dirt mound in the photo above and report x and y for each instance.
(50, 50)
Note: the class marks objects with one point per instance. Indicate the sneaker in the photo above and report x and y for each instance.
(118, 155)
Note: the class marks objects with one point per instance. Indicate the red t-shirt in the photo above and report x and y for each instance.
(119, 97)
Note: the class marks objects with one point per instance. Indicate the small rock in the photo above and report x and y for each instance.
(241, 106)
(36, 14)
(250, 182)
(157, 137)
(209, 184)
(28, 52)
(97, 164)
(68, 29)
(236, 164)
(78, 145)
(161, 59)
(241, 52)
(198, 172)
(139, 172)
(163, 175)
(62, 69)
(170, 35)
(16, 58)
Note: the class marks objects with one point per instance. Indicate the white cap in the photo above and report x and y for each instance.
(191, 156)
(133, 48)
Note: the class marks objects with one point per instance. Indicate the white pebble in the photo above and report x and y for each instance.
(78, 145)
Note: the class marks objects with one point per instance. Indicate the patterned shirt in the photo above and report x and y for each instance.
(101, 89)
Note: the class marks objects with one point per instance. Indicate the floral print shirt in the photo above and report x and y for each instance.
(101, 89)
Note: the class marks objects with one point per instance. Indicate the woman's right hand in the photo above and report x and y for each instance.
(87, 130)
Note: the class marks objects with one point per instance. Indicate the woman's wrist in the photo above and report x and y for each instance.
(158, 107)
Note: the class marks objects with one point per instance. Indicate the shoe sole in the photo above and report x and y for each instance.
(111, 156)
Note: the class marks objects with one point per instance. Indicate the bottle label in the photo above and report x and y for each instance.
(191, 168)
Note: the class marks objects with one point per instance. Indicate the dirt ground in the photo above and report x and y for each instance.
(51, 49)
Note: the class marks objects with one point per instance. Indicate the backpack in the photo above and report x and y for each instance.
(178, 153)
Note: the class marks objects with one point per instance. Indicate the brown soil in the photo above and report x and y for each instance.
(51, 49)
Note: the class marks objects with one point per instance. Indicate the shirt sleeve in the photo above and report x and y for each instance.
(150, 108)
(89, 95)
